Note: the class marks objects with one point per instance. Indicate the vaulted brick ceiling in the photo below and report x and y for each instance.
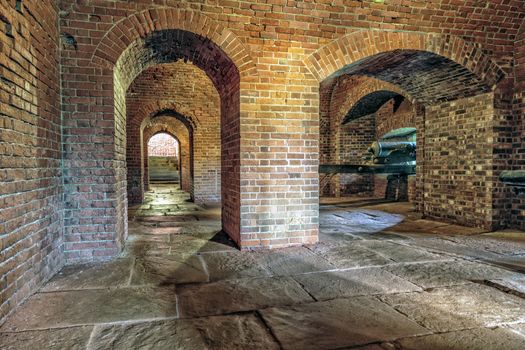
(172, 45)
(427, 77)
(371, 103)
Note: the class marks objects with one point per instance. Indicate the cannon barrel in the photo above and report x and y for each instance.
(385, 148)
(393, 152)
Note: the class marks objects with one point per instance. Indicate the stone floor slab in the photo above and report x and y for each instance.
(337, 284)
(87, 276)
(239, 295)
(168, 270)
(349, 255)
(495, 244)
(398, 252)
(472, 339)
(62, 309)
(233, 265)
(73, 338)
(447, 273)
(510, 284)
(338, 323)
(216, 332)
(459, 307)
(292, 261)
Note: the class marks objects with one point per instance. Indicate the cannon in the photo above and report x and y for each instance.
(395, 147)
(394, 153)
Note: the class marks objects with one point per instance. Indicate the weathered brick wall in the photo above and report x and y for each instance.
(189, 92)
(163, 145)
(456, 136)
(270, 125)
(517, 212)
(387, 119)
(354, 139)
(31, 217)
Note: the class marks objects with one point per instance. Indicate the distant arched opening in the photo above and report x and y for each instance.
(164, 161)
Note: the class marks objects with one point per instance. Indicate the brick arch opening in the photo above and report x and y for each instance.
(345, 137)
(185, 92)
(364, 44)
(122, 63)
(180, 128)
(169, 155)
(128, 30)
(453, 98)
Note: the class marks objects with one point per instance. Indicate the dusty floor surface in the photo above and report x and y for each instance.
(381, 278)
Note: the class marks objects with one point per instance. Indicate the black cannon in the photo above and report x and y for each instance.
(394, 153)
(395, 147)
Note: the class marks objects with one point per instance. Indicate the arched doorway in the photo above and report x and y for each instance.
(164, 159)
(439, 95)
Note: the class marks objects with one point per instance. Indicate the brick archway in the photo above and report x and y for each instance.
(132, 45)
(178, 131)
(176, 127)
(371, 85)
(361, 44)
(139, 25)
(455, 81)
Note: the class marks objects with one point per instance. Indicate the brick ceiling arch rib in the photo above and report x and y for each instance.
(142, 24)
(161, 131)
(421, 64)
(174, 45)
(157, 109)
(164, 128)
(366, 86)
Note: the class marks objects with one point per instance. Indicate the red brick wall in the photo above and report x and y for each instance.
(517, 212)
(387, 119)
(185, 85)
(163, 145)
(31, 216)
(455, 147)
(270, 100)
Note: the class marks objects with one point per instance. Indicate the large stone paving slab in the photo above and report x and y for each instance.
(398, 252)
(358, 221)
(349, 255)
(61, 309)
(472, 339)
(338, 323)
(167, 270)
(292, 261)
(98, 275)
(447, 273)
(216, 332)
(459, 307)
(74, 338)
(450, 248)
(497, 243)
(336, 284)
(233, 265)
(175, 245)
(511, 284)
(239, 295)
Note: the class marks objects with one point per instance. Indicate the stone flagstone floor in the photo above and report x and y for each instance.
(380, 278)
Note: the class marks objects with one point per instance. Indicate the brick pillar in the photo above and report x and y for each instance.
(94, 166)
(279, 179)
